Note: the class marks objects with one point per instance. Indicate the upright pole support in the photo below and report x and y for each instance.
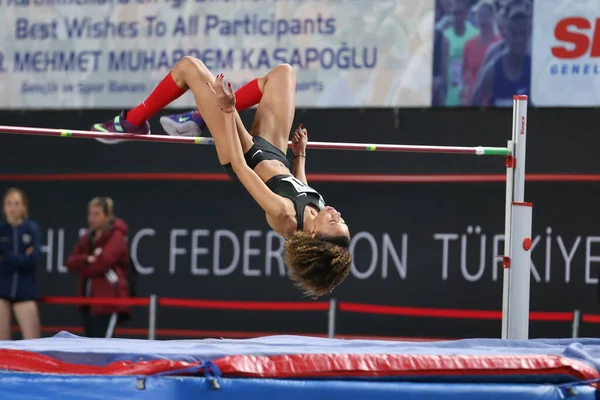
(575, 324)
(152, 311)
(510, 162)
(517, 241)
(331, 314)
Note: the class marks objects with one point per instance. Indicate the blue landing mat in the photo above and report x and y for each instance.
(17, 386)
(454, 385)
(74, 349)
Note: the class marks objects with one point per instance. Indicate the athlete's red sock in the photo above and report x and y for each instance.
(248, 95)
(164, 93)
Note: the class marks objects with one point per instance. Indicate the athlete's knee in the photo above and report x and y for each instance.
(285, 69)
(189, 68)
(191, 63)
(281, 73)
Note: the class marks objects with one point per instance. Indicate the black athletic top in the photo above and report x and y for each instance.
(299, 193)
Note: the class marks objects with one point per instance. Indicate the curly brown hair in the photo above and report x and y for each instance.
(317, 265)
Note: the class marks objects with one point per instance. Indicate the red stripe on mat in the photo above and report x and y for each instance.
(26, 361)
(320, 365)
(369, 365)
(358, 178)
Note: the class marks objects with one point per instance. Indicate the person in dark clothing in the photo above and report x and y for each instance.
(101, 259)
(510, 73)
(19, 248)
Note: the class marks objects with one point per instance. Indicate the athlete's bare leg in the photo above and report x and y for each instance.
(275, 112)
(191, 123)
(191, 73)
(274, 92)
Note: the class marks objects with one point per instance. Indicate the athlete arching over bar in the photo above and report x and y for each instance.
(316, 250)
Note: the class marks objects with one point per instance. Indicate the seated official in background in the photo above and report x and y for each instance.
(101, 259)
(19, 248)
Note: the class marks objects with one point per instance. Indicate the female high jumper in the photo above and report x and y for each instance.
(316, 250)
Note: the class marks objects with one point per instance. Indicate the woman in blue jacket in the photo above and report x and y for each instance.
(19, 248)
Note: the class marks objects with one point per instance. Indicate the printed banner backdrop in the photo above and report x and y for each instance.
(566, 53)
(422, 245)
(98, 54)
(482, 52)
(408, 238)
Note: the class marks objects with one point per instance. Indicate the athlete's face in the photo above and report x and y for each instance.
(329, 222)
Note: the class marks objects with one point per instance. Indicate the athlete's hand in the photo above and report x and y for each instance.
(299, 141)
(225, 100)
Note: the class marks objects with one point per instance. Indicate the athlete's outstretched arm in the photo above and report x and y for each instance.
(271, 203)
(299, 141)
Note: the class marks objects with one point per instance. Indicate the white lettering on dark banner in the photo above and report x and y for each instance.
(258, 254)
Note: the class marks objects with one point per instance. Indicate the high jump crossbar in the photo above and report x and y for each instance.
(477, 150)
(516, 260)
